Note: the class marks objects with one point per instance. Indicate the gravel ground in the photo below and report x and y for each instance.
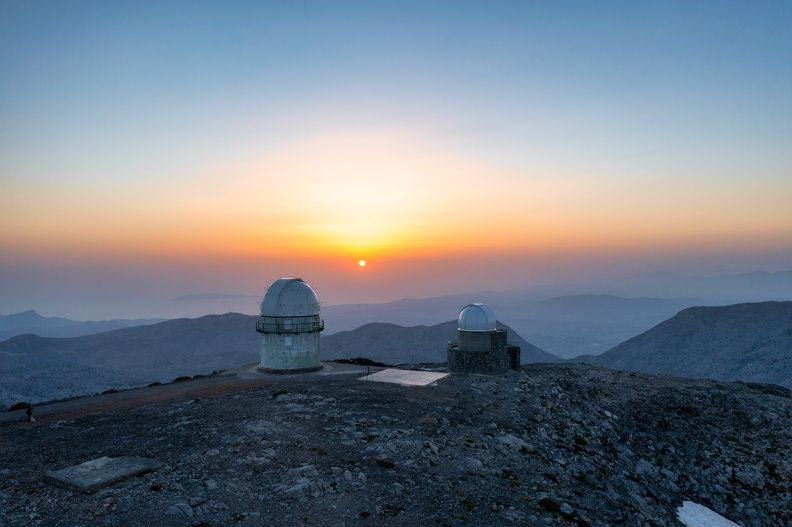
(549, 445)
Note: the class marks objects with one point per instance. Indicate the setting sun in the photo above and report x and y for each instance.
(362, 263)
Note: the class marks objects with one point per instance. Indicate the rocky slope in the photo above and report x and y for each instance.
(554, 445)
(36, 368)
(395, 344)
(749, 342)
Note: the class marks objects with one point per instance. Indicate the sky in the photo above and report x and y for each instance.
(150, 150)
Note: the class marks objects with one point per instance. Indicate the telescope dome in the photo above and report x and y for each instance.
(289, 297)
(476, 317)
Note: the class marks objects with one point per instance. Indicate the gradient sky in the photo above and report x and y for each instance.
(154, 149)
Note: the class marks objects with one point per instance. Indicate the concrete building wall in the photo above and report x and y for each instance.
(290, 351)
(479, 352)
(475, 340)
(484, 352)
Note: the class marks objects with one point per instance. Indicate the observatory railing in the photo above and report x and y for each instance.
(289, 327)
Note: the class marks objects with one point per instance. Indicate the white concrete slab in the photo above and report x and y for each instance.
(99, 472)
(695, 515)
(405, 377)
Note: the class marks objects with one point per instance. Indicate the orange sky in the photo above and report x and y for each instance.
(382, 194)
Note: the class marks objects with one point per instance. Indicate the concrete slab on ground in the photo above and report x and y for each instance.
(405, 377)
(100, 472)
(695, 515)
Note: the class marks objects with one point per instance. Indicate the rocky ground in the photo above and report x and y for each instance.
(549, 445)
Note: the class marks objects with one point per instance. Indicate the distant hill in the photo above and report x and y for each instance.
(747, 342)
(391, 343)
(31, 322)
(37, 368)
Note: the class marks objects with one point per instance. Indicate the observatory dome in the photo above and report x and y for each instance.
(476, 317)
(289, 297)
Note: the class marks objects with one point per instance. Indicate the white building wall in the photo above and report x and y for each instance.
(290, 351)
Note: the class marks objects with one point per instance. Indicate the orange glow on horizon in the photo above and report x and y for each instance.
(382, 193)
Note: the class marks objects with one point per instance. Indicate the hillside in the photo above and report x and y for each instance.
(31, 322)
(395, 344)
(37, 368)
(556, 445)
(748, 342)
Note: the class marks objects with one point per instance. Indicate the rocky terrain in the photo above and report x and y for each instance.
(749, 342)
(551, 444)
(394, 344)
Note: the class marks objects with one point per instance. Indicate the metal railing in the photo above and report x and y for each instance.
(289, 327)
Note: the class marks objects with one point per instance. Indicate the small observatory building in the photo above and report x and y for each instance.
(481, 347)
(290, 326)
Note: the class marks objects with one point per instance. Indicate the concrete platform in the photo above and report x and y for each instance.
(252, 371)
(100, 472)
(405, 377)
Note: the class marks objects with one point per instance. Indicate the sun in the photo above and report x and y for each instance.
(362, 263)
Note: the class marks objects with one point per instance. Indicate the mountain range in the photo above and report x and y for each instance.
(747, 342)
(34, 368)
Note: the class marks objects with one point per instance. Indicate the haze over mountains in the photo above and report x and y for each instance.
(565, 326)
(31, 322)
(564, 319)
(748, 342)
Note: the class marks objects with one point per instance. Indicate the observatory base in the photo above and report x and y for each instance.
(292, 371)
(493, 362)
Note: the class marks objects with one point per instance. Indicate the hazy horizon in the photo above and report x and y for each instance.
(153, 151)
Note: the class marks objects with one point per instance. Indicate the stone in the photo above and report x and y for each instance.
(473, 465)
(180, 509)
(295, 491)
(303, 471)
(512, 441)
(97, 473)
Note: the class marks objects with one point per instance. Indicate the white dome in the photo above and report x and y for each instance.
(476, 317)
(289, 297)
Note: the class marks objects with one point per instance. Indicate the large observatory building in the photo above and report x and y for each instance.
(290, 327)
(481, 347)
